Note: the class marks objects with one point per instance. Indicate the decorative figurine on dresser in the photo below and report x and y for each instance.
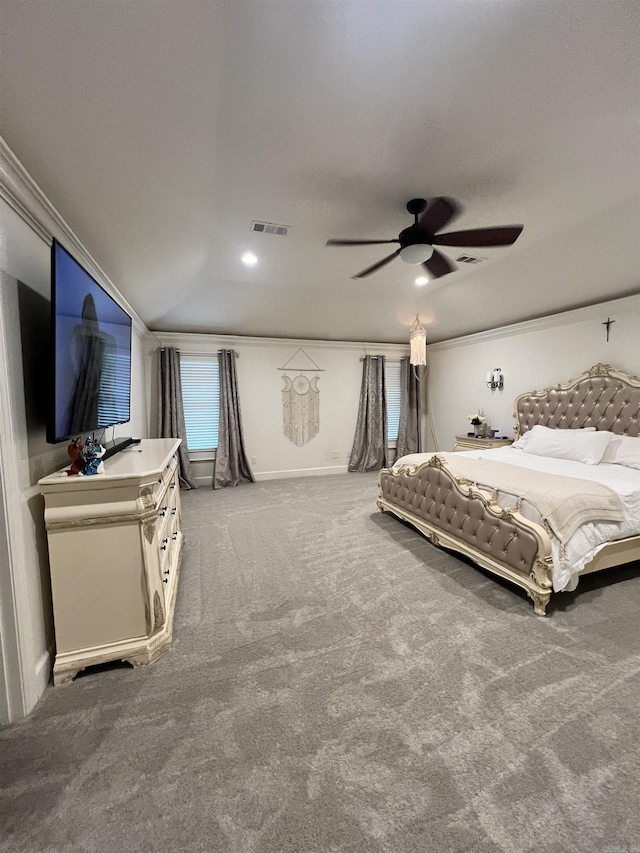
(115, 542)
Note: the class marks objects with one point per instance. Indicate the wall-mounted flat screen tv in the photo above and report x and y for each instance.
(91, 364)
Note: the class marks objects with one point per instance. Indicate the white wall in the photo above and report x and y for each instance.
(5, 690)
(533, 355)
(260, 386)
(26, 625)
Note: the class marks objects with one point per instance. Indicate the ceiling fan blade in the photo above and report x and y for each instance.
(438, 265)
(503, 236)
(438, 214)
(377, 266)
(358, 242)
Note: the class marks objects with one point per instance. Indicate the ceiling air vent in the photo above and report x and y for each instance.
(469, 259)
(270, 228)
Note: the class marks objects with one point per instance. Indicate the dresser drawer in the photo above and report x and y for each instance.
(472, 442)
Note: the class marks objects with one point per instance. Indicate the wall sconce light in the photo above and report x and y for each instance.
(495, 379)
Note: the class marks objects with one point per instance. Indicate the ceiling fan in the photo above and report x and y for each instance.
(418, 241)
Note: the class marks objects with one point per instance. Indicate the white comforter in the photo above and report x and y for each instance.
(588, 539)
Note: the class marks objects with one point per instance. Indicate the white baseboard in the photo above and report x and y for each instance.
(203, 482)
(43, 671)
(283, 475)
(300, 472)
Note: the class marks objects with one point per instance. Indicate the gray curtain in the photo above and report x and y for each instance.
(409, 427)
(369, 452)
(231, 466)
(171, 410)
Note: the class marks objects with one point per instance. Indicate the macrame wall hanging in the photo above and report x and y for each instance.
(301, 398)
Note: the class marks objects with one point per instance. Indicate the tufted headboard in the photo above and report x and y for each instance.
(603, 397)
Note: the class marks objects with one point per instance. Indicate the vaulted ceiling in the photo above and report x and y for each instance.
(161, 128)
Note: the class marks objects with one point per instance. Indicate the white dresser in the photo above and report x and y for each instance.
(115, 542)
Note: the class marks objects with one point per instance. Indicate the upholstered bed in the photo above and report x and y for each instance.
(507, 532)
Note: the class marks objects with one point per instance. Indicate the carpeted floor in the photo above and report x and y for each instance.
(337, 684)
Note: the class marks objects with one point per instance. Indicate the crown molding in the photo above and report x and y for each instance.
(192, 342)
(624, 305)
(23, 195)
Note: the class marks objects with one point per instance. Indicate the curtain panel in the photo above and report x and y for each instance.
(231, 466)
(369, 452)
(409, 426)
(171, 411)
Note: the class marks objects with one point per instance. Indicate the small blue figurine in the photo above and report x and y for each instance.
(92, 454)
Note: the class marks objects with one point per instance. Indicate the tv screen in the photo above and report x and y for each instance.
(91, 361)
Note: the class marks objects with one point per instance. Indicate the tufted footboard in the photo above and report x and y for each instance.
(454, 513)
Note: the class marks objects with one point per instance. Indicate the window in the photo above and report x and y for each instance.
(392, 383)
(201, 400)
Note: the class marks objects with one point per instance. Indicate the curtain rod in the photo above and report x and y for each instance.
(194, 352)
(388, 357)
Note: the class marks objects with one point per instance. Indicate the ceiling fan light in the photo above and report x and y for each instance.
(416, 253)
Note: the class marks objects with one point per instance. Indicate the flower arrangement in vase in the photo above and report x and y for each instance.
(478, 421)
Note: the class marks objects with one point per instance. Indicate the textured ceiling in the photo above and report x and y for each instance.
(161, 129)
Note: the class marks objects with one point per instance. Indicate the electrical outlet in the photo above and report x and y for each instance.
(335, 454)
(253, 460)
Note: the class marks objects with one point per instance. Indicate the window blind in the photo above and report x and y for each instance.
(392, 382)
(201, 400)
(113, 398)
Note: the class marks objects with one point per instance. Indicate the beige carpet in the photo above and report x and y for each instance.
(338, 684)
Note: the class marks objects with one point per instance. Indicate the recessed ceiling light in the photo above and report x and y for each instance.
(249, 259)
(421, 281)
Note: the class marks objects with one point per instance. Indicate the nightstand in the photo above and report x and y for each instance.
(471, 442)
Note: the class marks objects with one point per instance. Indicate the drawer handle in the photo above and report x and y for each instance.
(174, 537)
(166, 571)
(165, 580)
(172, 486)
(173, 511)
(163, 547)
(159, 479)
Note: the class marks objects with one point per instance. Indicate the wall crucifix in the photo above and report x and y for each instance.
(608, 323)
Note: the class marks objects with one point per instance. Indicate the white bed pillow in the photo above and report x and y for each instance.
(522, 442)
(623, 450)
(578, 445)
